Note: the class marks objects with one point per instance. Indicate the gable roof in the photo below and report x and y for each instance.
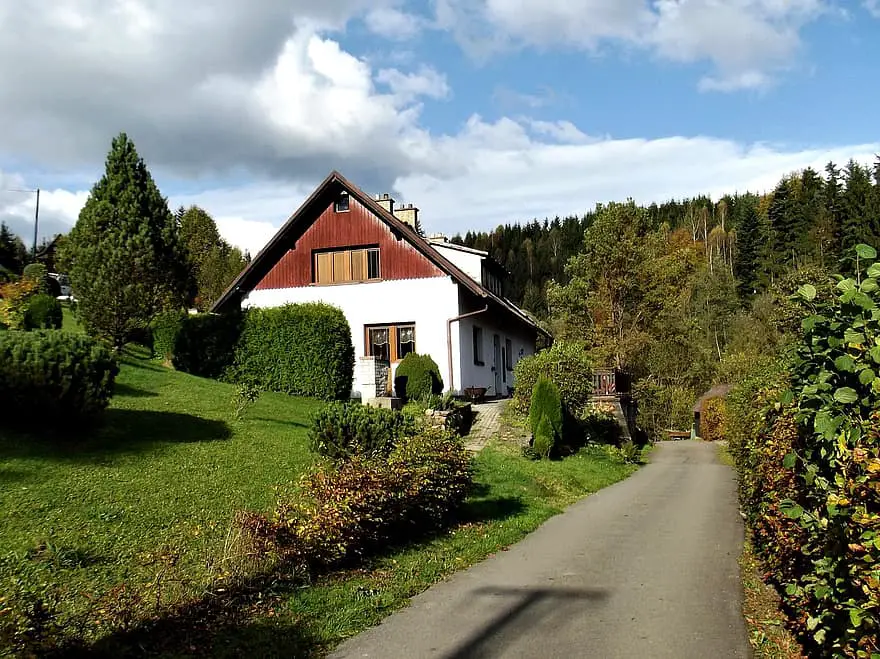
(302, 219)
(718, 391)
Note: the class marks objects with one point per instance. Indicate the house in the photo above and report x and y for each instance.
(400, 291)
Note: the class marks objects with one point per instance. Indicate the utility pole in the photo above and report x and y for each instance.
(36, 223)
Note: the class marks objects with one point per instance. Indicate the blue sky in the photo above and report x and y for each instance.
(479, 112)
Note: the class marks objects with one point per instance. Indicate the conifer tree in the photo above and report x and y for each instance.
(13, 253)
(746, 264)
(857, 225)
(123, 256)
(784, 221)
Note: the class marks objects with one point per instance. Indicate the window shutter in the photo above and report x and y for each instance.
(340, 271)
(359, 265)
(323, 268)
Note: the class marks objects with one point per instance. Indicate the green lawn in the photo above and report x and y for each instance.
(170, 467)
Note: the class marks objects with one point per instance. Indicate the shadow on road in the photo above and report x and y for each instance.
(528, 608)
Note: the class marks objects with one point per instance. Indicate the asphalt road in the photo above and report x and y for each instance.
(646, 568)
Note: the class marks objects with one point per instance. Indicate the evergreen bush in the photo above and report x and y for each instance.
(343, 430)
(164, 330)
(567, 365)
(53, 377)
(205, 344)
(417, 377)
(546, 416)
(37, 273)
(297, 349)
(43, 312)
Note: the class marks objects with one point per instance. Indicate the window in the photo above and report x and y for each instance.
(390, 343)
(478, 346)
(345, 265)
(508, 355)
(342, 203)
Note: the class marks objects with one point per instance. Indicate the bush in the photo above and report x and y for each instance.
(345, 510)
(341, 431)
(206, 344)
(164, 329)
(566, 365)
(43, 312)
(545, 416)
(663, 407)
(417, 377)
(50, 376)
(37, 273)
(14, 299)
(297, 349)
(713, 420)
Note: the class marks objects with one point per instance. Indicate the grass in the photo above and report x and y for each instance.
(153, 493)
(765, 620)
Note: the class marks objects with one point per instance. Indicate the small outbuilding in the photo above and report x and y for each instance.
(718, 391)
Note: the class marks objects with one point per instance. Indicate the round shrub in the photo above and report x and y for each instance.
(37, 272)
(43, 312)
(343, 430)
(51, 376)
(297, 349)
(205, 344)
(417, 377)
(566, 365)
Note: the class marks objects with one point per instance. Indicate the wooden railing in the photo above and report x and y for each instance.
(610, 382)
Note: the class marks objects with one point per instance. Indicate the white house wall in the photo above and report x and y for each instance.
(428, 303)
(470, 264)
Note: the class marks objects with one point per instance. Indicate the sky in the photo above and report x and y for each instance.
(479, 112)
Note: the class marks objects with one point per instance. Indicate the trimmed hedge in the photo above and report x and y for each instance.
(43, 312)
(343, 430)
(713, 419)
(164, 330)
(51, 376)
(545, 417)
(566, 365)
(205, 344)
(417, 377)
(297, 349)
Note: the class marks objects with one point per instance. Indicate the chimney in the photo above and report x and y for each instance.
(408, 214)
(386, 202)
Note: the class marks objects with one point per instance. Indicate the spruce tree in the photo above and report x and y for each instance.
(830, 214)
(13, 253)
(857, 226)
(784, 223)
(122, 256)
(746, 263)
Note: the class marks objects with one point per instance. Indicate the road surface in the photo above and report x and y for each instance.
(646, 568)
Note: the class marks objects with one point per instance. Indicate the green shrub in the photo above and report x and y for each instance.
(417, 377)
(546, 417)
(43, 312)
(164, 329)
(342, 511)
(664, 407)
(37, 272)
(566, 365)
(51, 376)
(343, 430)
(206, 343)
(298, 349)
(713, 420)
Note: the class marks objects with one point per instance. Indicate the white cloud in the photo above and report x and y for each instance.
(561, 131)
(873, 7)
(409, 86)
(744, 40)
(394, 24)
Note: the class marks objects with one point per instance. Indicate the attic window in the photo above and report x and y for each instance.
(341, 205)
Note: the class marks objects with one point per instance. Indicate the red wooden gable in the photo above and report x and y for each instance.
(357, 227)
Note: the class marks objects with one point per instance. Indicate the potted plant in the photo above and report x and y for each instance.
(475, 394)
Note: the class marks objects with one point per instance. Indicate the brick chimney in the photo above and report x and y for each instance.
(408, 214)
(386, 202)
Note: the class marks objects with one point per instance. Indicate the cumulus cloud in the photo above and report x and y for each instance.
(745, 40)
(393, 23)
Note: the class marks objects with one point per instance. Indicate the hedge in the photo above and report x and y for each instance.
(51, 376)
(713, 419)
(164, 330)
(205, 344)
(417, 377)
(298, 349)
(343, 430)
(566, 365)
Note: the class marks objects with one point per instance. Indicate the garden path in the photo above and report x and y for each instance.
(644, 568)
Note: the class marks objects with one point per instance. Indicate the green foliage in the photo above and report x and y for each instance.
(245, 397)
(546, 417)
(206, 344)
(15, 297)
(341, 431)
(123, 256)
(417, 377)
(43, 312)
(298, 349)
(809, 456)
(664, 407)
(13, 253)
(53, 377)
(164, 330)
(567, 365)
(713, 421)
(37, 272)
(355, 507)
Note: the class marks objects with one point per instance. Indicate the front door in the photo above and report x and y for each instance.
(497, 365)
